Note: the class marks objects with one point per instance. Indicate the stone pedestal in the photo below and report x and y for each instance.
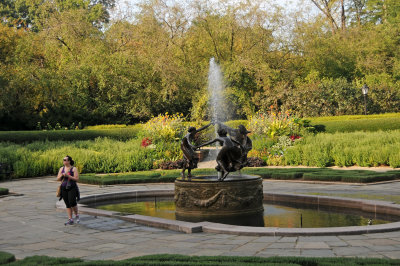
(205, 197)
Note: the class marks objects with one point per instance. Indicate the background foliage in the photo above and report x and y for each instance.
(68, 62)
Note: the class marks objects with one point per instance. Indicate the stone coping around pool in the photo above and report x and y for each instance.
(214, 179)
(381, 207)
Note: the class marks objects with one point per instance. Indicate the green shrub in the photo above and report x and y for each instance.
(175, 259)
(315, 176)
(45, 260)
(165, 176)
(321, 174)
(97, 127)
(6, 257)
(101, 155)
(69, 135)
(354, 176)
(165, 128)
(273, 124)
(3, 191)
(346, 149)
(394, 159)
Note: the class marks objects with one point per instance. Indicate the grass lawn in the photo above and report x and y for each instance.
(352, 123)
(171, 259)
(320, 174)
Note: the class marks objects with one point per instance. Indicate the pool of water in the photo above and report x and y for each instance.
(275, 215)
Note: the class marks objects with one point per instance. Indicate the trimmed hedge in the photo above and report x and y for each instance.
(169, 259)
(6, 257)
(320, 174)
(154, 176)
(277, 173)
(3, 191)
(117, 132)
(354, 176)
(331, 124)
(174, 259)
(324, 174)
(69, 135)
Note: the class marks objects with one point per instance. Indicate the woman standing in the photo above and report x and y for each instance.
(69, 175)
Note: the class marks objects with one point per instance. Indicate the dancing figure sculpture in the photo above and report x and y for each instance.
(229, 157)
(190, 158)
(240, 135)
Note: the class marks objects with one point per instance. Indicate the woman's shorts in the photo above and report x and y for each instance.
(69, 196)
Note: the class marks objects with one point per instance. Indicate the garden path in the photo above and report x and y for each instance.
(30, 225)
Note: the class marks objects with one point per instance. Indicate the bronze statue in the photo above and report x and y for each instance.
(240, 135)
(190, 158)
(229, 157)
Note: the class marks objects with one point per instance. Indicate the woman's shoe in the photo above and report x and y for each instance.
(69, 222)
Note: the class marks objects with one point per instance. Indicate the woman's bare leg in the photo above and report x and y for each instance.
(69, 212)
(75, 210)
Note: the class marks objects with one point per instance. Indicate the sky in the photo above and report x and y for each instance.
(128, 6)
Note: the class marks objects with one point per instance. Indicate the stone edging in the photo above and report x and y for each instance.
(380, 207)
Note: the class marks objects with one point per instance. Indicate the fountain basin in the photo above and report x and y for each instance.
(88, 206)
(205, 196)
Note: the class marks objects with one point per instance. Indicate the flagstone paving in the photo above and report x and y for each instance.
(30, 225)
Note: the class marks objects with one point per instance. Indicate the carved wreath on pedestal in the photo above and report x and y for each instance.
(221, 199)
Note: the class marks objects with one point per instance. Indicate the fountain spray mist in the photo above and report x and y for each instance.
(216, 92)
(216, 99)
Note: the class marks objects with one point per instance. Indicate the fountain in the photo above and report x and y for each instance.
(216, 87)
(216, 196)
(226, 201)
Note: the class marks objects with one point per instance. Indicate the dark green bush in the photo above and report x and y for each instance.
(45, 260)
(316, 176)
(275, 173)
(173, 259)
(6, 257)
(166, 176)
(320, 174)
(68, 135)
(354, 176)
(3, 191)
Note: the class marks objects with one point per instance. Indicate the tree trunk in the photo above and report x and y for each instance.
(384, 9)
(343, 17)
(326, 9)
(232, 40)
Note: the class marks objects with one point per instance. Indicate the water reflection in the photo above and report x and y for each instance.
(256, 220)
(275, 215)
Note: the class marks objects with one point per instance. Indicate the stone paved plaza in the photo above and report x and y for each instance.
(30, 225)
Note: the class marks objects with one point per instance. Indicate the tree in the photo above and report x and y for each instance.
(328, 8)
(31, 14)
